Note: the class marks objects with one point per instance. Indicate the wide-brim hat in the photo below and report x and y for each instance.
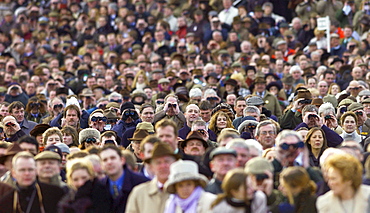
(39, 129)
(231, 82)
(273, 84)
(110, 114)
(12, 150)
(194, 135)
(336, 60)
(160, 150)
(86, 93)
(181, 171)
(288, 79)
(305, 94)
(260, 80)
(88, 133)
(147, 126)
(139, 135)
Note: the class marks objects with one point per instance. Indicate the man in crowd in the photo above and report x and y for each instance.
(16, 109)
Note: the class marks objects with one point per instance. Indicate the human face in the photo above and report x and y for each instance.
(136, 147)
(57, 107)
(99, 123)
(71, 118)
(254, 115)
(13, 126)
(205, 115)
(292, 153)
(67, 139)
(336, 182)
(266, 136)
(112, 163)
(147, 115)
(24, 171)
(366, 108)
(311, 83)
(4, 111)
(323, 88)
(171, 110)
(296, 75)
(260, 87)
(79, 178)
(242, 156)
(334, 90)
(147, 152)
(317, 140)
(47, 168)
(329, 78)
(239, 107)
(185, 188)
(53, 139)
(303, 133)
(31, 148)
(231, 99)
(161, 167)
(194, 147)
(221, 164)
(221, 122)
(349, 124)
(18, 113)
(167, 135)
(192, 113)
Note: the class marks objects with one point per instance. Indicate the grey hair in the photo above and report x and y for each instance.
(264, 123)
(195, 92)
(251, 143)
(199, 122)
(287, 133)
(115, 94)
(209, 92)
(326, 109)
(209, 65)
(237, 142)
(251, 109)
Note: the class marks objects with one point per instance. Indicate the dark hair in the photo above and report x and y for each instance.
(114, 148)
(145, 106)
(28, 139)
(15, 105)
(69, 130)
(72, 107)
(205, 105)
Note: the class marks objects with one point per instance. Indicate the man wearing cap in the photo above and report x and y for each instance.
(194, 144)
(16, 109)
(6, 160)
(150, 196)
(270, 101)
(250, 110)
(363, 122)
(287, 89)
(129, 119)
(120, 180)
(12, 129)
(48, 166)
(45, 197)
(171, 111)
(222, 161)
(139, 135)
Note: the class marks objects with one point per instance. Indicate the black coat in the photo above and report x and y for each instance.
(131, 179)
(50, 197)
(92, 197)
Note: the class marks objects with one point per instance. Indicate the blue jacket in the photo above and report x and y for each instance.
(122, 126)
(130, 180)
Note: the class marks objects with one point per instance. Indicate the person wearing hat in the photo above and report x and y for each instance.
(270, 101)
(287, 89)
(336, 48)
(222, 161)
(12, 129)
(48, 166)
(363, 122)
(89, 137)
(130, 132)
(194, 144)
(46, 197)
(187, 185)
(112, 118)
(138, 136)
(6, 160)
(130, 118)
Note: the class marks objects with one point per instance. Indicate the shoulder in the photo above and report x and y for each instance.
(324, 200)
(207, 197)
(137, 178)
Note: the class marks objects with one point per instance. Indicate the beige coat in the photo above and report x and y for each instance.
(259, 205)
(204, 203)
(331, 203)
(146, 197)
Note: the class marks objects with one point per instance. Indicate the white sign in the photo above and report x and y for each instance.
(323, 23)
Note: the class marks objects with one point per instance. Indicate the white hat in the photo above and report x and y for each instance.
(184, 170)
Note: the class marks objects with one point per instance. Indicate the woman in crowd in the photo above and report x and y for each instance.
(344, 174)
(334, 89)
(239, 196)
(52, 136)
(316, 144)
(219, 121)
(35, 110)
(296, 185)
(70, 136)
(140, 81)
(87, 194)
(186, 186)
(349, 122)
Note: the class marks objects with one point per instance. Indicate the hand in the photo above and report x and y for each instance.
(296, 104)
(331, 122)
(313, 121)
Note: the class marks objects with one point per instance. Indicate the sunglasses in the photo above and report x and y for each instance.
(117, 101)
(90, 140)
(97, 119)
(172, 105)
(9, 124)
(286, 146)
(58, 106)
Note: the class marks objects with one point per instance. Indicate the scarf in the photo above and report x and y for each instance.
(188, 205)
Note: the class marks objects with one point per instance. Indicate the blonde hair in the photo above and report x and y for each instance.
(141, 72)
(52, 131)
(76, 164)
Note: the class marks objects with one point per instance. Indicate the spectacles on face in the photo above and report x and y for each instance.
(97, 119)
(56, 106)
(286, 146)
(267, 132)
(90, 140)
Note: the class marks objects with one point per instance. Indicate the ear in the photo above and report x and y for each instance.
(211, 166)
(123, 160)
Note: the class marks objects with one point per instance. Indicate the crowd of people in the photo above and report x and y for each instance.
(184, 106)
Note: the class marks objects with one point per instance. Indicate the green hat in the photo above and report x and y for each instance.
(48, 155)
(345, 101)
(258, 165)
(355, 106)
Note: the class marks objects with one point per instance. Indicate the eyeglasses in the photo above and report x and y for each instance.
(286, 146)
(172, 105)
(267, 132)
(97, 119)
(90, 140)
(58, 106)
(117, 101)
(9, 124)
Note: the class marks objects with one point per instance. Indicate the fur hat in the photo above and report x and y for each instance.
(88, 133)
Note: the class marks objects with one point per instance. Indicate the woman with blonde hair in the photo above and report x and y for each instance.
(347, 194)
(296, 185)
(334, 89)
(219, 121)
(140, 81)
(87, 194)
(239, 196)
